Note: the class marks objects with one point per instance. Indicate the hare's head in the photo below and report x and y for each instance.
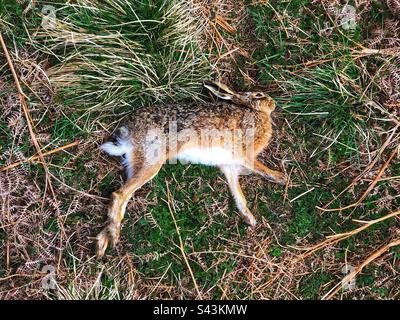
(253, 99)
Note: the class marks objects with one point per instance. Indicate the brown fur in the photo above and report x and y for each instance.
(245, 111)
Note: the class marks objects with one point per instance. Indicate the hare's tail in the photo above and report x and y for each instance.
(121, 145)
(117, 148)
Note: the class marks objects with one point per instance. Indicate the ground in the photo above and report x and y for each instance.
(335, 136)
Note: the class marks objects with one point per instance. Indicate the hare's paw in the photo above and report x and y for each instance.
(249, 218)
(102, 243)
(113, 231)
(109, 235)
(280, 177)
(252, 222)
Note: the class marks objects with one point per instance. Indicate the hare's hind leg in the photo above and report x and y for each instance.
(119, 200)
(270, 174)
(231, 173)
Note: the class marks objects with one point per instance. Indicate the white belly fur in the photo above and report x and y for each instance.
(211, 157)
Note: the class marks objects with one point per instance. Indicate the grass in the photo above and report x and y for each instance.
(139, 52)
(333, 118)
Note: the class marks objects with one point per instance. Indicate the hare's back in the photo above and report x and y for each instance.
(195, 116)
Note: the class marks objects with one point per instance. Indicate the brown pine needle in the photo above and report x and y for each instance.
(224, 24)
(25, 109)
(369, 189)
(33, 158)
(342, 236)
(181, 247)
(329, 241)
(368, 168)
(395, 51)
(359, 268)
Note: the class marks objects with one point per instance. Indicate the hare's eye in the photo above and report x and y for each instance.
(259, 95)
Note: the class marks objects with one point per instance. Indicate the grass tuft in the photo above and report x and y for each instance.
(123, 54)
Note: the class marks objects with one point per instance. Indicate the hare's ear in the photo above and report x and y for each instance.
(220, 90)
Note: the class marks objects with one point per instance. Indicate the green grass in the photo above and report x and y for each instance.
(191, 217)
(130, 53)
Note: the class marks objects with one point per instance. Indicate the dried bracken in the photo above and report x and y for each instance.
(25, 210)
(385, 37)
(224, 20)
(394, 6)
(390, 87)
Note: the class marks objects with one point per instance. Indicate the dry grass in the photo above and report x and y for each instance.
(138, 53)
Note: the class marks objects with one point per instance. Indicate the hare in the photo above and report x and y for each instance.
(228, 134)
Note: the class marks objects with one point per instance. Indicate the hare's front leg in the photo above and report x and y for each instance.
(270, 174)
(232, 176)
(119, 201)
